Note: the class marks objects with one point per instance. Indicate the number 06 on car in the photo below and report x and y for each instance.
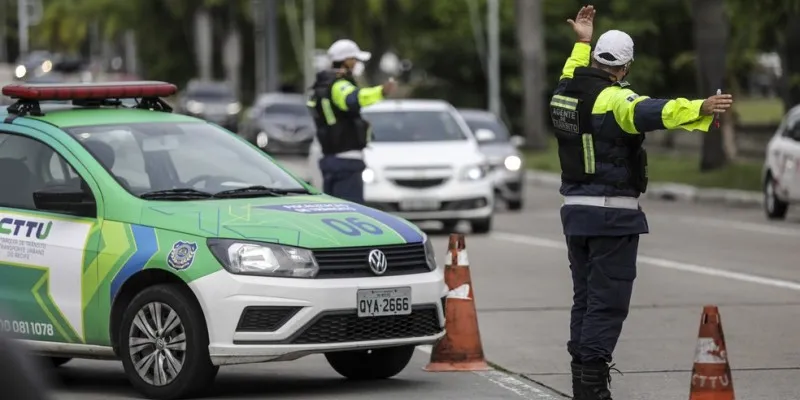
(382, 302)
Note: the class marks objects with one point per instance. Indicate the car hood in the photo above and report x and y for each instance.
(415, 154)
(312, 221)
(497, 152)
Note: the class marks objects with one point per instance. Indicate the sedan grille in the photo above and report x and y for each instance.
(419, 183)
(352, 262)
(346, 326)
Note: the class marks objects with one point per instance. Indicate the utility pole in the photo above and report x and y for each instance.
(493, 24)
(260, 46)
(22, 26)
(272, 60)
(309, 42)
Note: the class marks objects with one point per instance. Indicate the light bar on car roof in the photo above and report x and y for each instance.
(80, 91)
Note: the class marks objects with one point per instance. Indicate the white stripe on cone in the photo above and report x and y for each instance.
(708, 352)
(461, 258)
(461, 292)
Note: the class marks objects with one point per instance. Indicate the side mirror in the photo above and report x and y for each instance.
(65, 199)
(517, 141)
(484, 135)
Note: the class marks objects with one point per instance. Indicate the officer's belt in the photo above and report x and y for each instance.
(599, 201)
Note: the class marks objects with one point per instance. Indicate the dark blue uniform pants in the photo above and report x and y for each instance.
(603, 271)
(342, 178)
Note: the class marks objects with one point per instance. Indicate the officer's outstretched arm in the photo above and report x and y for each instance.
(636, 114)
(349, 97)
(578, 58)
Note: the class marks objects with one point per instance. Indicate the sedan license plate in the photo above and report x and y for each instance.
(382, 302)
(419, 205)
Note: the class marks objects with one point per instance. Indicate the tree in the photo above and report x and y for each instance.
(710, 40)
(530, 38)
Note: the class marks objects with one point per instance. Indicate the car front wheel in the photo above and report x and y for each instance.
(164, 344)
(481, 225)
(371, 364)
(774, 207)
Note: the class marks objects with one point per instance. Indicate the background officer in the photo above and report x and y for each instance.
(600, 125)
(336, 103)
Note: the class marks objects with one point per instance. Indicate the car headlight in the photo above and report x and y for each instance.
(264, 259)
(513, 163)
(194, 107)
(473, 173)
(430, 254)
(234, 108)
(262, 139)
(20, 71)
(368, 175)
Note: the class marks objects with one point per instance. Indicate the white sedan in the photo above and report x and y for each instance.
(781, 173)
(423, 164)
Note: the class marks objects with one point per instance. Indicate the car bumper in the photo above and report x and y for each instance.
(508, 184)
(298, 317)
(282, 146)
(457, 200)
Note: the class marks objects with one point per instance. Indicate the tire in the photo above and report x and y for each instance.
(59, 361)
(514, 205)
(449, 227)
(481, 225)
(774, 207)
(371, 364)
(195, 372)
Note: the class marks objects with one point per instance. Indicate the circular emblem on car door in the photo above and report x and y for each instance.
(377, 262)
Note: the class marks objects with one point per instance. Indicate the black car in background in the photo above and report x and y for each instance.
(279, 123)
(213, 101)
(506, 166)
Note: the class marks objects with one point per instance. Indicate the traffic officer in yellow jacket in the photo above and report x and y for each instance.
(336, 102)
(600, 124)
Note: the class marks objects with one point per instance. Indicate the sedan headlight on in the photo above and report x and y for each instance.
(194, 107)
(20, 71)
(473, 173)
(430, 254)
(264, 259)
(368, 176)
(512, 163)
(234, 108)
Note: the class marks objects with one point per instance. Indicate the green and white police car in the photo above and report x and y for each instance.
(133, 233)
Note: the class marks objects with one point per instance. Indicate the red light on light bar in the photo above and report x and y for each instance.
(75, 91)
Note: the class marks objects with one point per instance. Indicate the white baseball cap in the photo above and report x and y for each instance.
(614, 48)
(343, 49)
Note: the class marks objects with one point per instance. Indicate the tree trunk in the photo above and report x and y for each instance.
(530, 39)
(791, 62)
(710, 40)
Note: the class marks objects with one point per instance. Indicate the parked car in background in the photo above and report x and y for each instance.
(279, 123)
(506, 167)
(423, 164)
(213, 101)
(781, 172)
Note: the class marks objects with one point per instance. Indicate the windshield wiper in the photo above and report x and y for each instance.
(176, 194)
(258, 191)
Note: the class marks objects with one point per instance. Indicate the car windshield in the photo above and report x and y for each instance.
(148, 157)
(292, 109)
(413, 126)
(500, 132)
(210, 92)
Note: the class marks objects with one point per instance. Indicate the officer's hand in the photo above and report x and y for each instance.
(583, 24)
(389, 87)
(716, 104)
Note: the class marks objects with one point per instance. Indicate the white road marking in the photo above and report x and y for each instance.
(657, 262)
(743, 226)
(506, 381)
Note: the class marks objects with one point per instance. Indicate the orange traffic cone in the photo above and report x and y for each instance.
(711, 373)
(460, 349)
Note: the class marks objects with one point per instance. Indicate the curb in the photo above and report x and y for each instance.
(669, 191)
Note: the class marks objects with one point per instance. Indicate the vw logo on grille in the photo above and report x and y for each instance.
(377, 262)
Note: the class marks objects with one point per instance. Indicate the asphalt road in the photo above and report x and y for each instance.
(695, 255)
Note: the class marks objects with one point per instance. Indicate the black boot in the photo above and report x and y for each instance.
(595, 378)
(577, 387)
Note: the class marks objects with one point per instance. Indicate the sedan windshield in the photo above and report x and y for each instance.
(182, 159)
(414, 126)
(499, 130)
